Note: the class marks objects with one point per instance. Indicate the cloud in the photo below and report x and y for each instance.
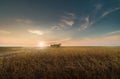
(114, 32)
(98, 6)
(25, 21)
(71, 15)
(65, 39)
(110, 11)
(68, 19)
(55, 27)
(37, 32)
(86, 23)
(4, 32)
(67, 22)
(108, 40)
(64, 23)
(89, 19)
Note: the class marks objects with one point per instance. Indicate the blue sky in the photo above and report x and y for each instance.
(71, 22)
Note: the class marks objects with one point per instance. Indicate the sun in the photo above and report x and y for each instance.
(41, 44)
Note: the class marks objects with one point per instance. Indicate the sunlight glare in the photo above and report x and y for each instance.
(41, 44)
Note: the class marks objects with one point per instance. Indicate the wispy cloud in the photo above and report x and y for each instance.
(90, 19)
(114, 32)
(98, 6)
(67, 22)
(71, 15)
(68, 19)
(108, 40)
(110, 11)
(55, 28)
(25, 21)
(105, 13)
(85, 24)
(4, 32)
(62, 40)
(37, 32)
(65, 39)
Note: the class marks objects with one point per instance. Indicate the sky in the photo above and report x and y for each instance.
(70, 22)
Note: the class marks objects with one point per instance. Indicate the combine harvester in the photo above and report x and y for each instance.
(55, 45)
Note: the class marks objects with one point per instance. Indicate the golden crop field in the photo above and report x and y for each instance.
(60, 63)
